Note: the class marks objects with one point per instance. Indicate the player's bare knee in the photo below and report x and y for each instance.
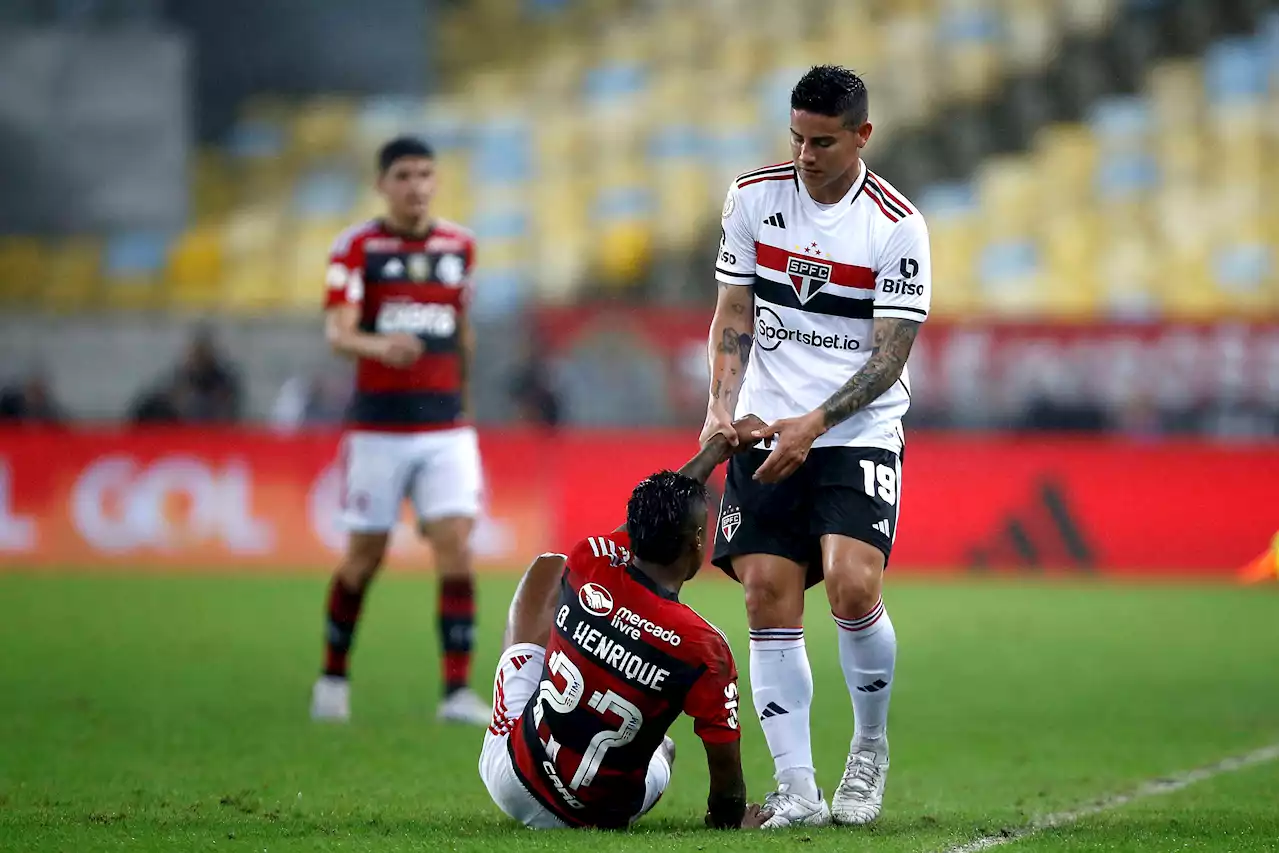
(365, 553)
(451, 542)
(853, 587)
(770, 601)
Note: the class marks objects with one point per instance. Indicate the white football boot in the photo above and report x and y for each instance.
(464, 706)
(331, 700)
(790, 809)
(860, 796)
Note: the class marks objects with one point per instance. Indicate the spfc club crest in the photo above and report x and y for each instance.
(807, 277)
(730, 522)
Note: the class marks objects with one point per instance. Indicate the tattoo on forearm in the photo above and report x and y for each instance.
(891, 344)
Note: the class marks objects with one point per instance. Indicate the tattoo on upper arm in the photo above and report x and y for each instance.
(891, 344)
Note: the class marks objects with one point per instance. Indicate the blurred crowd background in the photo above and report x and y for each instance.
(1099, 178)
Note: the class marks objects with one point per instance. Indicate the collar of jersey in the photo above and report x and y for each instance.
(650, 584)
(849, 198)
(404, 235)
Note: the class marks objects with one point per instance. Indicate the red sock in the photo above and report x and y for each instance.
(340, 627)
(457, 630)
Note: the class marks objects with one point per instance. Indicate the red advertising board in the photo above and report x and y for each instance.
(243, 499)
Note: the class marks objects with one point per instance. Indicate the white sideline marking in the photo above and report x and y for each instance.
(1152, 788)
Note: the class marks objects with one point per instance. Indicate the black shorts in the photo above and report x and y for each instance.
(851, 491)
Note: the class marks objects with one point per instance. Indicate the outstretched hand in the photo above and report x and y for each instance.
(790, 440)
(743, 429)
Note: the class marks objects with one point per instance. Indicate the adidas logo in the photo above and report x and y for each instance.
(773, 709)
(776, 221)
(873, 687)
(883, 526)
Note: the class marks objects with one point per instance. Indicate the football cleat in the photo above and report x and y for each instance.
(331, 700)
(860, 796)
(464, 706)
(791, 809)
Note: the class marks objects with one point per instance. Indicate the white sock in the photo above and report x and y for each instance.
(782, 690)
(868, 648)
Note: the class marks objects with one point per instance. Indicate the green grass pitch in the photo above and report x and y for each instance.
(170, 714)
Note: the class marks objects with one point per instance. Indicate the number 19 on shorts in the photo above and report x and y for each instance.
(879, 480)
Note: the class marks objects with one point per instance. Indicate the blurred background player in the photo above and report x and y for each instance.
(828, 266)
(601, 657)
(398, 290)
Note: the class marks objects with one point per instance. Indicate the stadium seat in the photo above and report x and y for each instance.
(22, 269)
(194, 273)
(131, 266)
(322, 128)
(70, 282)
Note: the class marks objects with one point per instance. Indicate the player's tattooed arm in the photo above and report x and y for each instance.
(730, 341)
(891, 344)
(728, 348)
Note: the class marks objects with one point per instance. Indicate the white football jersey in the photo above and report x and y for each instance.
(821, 273)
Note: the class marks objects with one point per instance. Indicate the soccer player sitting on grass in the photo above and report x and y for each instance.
(601, 657)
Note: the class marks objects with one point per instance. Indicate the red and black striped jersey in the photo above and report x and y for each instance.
(624, 660)
(420, 285)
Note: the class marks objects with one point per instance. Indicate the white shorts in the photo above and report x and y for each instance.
(438, 471)
(514, 684)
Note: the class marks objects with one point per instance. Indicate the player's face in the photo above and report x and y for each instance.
(408, 186)
(824, 150)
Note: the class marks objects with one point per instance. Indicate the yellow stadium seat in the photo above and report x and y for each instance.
(453, 197)
(623, 253)
(23, 267)
(1130, 260)
(1088, 17)
(72, 278)
(1066, 157)
(969, 73)
(1069, 245)
(132, 292)
(194, 272)
(322, 127)
(304, 259)
(680, 205)
(252, 285)
(1176, 92)
(212, 193)
(953, 247)
(1187, 291)
(1008, 188)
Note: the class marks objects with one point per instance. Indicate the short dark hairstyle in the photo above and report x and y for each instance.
(402, 146)
(663, 515)
(832, 90)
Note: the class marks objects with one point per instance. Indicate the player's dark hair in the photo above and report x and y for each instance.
(663, 515)
(402, 146)
(832, 90)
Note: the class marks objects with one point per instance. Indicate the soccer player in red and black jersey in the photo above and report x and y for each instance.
(398, 291)
(601, 657)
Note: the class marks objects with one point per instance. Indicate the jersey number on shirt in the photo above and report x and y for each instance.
(565, 701)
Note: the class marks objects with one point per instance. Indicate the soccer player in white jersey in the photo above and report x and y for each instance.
(824, 280)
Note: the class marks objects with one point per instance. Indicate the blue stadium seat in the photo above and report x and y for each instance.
(502, 152)
(256, 139)
(324, 193)
(1121, 120)
(1236, 70)
(613, 80)
(135, 253)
